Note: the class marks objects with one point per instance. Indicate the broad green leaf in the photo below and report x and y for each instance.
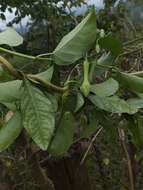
(105, 60)
(137, 103)
(130, 81)
(89, 129)
(38, 114)
(10, 91)
(112, 44)
(10, 37)
(64, 135)
(112, 104)
(10, 131)
(69, 101)
(107, 88)
(79, 103)
(97, 65)
(11, 106)
(74, 45)
(46, 75)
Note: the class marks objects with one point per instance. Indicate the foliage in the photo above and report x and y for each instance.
(96, 93)
(38, 97)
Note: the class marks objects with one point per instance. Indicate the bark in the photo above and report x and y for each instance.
(67, 173)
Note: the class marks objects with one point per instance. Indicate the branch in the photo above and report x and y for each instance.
(47, 84)
(130, 171)
(24, 55)
(16, 74)
(9, 67)
(90, 145)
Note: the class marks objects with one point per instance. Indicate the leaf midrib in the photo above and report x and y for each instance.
(34, 105)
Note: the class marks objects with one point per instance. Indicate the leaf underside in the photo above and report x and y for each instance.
(75, 44)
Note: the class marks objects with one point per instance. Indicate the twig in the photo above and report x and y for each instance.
(132, 41)
(130, 52)
(47, 84)
(17, 75)
(71, 15)
(24, 55)
(130, 171)
(44, 54)
(9, 67)
(90, 145)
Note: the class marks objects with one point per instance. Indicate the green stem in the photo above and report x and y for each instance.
(138, 73)
(107, 67)
(47, 84)
(24, 55)
(16, 74)
(44, 54)
(86, 69)
(9, 67)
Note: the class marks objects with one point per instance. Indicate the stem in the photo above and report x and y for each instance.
(48, 85)
(106, 67)
(138, 73)
(90, 145)
(16, 74)
(132, 41)
(44, 54)
(132, 51)
(38, 174)
(9, 67)
(86, 69)
(130, 171)
(24, 55)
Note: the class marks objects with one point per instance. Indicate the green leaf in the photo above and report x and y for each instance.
(107, 88)
(10, 106)
(89, 129)
(130, 81)
(74, 45)
(10, 131)
(69, 101)
(38, 114)
(64, 135)
(112, 44)
(46, 75)
(112, 104)
(105, 60)
(79, 103)
(10, 91)
(137, 103)
(10, 37)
